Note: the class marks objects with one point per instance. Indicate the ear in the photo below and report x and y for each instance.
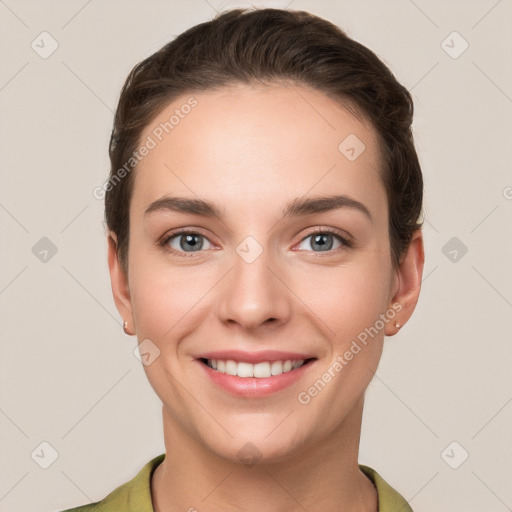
(408, 279)
(119, 282)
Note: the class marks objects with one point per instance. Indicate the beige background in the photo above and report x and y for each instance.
(68, 373)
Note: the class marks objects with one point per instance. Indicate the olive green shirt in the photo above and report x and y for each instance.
(135, 495)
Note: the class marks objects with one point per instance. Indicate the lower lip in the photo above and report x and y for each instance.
(254, 387)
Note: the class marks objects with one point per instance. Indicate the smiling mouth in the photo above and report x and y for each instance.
(260, 370)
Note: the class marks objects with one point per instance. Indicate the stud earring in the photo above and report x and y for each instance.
(125, 327)
(398, 326)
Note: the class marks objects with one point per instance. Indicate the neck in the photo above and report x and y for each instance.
(325, 476)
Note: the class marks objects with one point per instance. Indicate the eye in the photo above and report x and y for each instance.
(186, 242)
(323, 240)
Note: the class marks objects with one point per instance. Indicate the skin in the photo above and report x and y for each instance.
(251, 150)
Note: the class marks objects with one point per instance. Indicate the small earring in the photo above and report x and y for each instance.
(398, 326)
(125, 327)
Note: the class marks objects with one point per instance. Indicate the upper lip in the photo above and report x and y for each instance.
(255, 357)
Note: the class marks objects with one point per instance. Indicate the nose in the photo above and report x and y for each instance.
(254, 294)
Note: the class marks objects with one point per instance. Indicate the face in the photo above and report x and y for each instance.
(265, 272)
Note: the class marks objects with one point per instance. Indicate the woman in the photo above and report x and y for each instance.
(263, 225)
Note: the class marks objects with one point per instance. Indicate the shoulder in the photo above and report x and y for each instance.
(132, 496)
(390, 500)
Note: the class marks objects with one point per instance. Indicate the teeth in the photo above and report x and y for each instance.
(259, 370)
(231, 367)
(276, 368)
(244, 369)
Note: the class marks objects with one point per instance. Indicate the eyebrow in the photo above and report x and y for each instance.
(297, 207)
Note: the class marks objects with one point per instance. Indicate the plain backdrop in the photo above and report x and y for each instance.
(438, 413)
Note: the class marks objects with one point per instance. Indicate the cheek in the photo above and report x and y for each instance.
(168, 305)
(347, 299)
(167, 301)
(349, 309)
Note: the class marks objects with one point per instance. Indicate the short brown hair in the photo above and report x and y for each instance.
(271, 45)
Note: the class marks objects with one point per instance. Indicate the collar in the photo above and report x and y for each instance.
(135, 495)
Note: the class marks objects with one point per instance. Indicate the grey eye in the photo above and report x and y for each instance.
(321, 242)
(187, 242)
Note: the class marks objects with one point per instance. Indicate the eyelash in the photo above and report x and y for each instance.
(345, 241)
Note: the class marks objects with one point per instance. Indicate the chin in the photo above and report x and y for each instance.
(259, 448)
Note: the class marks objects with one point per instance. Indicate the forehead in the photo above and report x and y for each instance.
(258, 145)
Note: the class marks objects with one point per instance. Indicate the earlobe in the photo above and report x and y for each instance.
(410, 273)
(119, 283)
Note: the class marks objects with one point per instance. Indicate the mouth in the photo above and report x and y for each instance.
(261, 370)
(254, 375)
